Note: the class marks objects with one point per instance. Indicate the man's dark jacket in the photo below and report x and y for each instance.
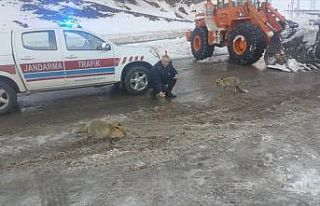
(159, 76)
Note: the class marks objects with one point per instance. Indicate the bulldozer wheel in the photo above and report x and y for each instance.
(246, 43)
(199, 44)
(317, 52)
(210, 51)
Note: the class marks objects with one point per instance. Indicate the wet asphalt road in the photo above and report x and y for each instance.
(196, 84)
(260, 148)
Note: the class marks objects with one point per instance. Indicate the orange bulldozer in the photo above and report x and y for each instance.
(246, 27)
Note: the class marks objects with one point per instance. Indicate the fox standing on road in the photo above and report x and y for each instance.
(233, 82)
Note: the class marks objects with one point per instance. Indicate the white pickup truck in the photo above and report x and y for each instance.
(59, 58)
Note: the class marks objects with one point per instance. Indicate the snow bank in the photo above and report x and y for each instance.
(104, 16)
(10, 11)
(178, 48)
(125, 23)
(292, 66)
(306, 182)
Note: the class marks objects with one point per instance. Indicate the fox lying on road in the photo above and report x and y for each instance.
(233, 82)
(102, 130)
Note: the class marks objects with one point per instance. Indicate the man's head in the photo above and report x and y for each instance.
(165, 61)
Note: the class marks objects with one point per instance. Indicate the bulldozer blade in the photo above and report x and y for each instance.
(274, 54)
(275, 44)
(294, 66)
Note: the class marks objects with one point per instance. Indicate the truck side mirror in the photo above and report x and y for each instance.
(105, 47)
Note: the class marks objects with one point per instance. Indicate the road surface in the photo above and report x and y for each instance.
(207, 147)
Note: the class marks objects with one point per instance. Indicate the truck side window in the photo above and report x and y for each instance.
(79, 40)
(39, 40)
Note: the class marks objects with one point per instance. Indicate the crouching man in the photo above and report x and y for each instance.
(163, 77)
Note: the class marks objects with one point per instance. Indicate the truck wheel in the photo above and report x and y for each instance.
(8, 98)
(199, 44)
(136, 80)
(246, 43)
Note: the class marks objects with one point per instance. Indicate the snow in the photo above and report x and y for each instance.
(10, 11)
(179, 48)
(124, 38)
(141, 7)
(306, 182)
(133, 19)
(124, 23)
(292, 66)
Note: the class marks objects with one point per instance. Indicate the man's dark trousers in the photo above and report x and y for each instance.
(170, 84)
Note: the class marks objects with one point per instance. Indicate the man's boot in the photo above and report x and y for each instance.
(153, 94)
(169, 89)
(170, 95)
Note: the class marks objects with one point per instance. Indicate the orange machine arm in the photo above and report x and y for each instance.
(275, 12)
(274, 17)
(260, 20)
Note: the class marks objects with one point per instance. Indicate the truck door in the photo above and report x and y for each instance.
(86, 62)
(39, 56)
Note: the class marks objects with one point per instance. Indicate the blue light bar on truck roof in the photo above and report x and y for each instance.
(69, 23)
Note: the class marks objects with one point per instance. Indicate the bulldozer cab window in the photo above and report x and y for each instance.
(237, 2)
(222, 3)
(256, 2)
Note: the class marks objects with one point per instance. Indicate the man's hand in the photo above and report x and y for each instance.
(176, 77)
(162, 94)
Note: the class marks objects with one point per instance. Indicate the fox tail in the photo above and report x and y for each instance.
(81, 128)
(242, 90)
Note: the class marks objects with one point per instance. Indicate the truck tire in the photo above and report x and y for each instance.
(136, 80)
(246, 44)
(8, 98)
(199, 44)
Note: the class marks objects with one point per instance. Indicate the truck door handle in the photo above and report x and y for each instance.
(71, 57)
(27, 58)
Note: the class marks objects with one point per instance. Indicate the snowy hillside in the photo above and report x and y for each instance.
(105, 16)
(102, 16)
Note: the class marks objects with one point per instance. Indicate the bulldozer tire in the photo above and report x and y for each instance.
(317, 53)
(246, 44)
(210, 51)
(199, 44)
(317, 50)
